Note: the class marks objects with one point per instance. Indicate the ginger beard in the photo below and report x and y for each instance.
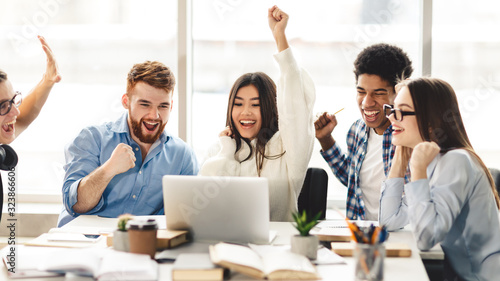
(151, 132)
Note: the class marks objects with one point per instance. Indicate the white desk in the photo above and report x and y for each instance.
(407, 269)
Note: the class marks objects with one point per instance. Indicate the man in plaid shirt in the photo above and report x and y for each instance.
(369, 150)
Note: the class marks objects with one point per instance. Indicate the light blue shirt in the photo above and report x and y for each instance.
(137, 191)
(454, 206)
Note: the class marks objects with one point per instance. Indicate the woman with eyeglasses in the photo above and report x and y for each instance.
(451, 198)
(17, 114)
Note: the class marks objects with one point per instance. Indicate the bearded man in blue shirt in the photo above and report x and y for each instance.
(367, 161)
(117, 167)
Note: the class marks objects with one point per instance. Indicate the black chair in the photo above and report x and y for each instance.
(496, 177)
(312, 197)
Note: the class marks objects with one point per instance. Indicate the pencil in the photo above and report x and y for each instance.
(339, 111)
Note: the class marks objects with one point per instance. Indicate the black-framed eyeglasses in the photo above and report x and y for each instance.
(398, 113)
(6, 106)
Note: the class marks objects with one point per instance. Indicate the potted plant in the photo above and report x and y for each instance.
(304, 243)
(120, 235)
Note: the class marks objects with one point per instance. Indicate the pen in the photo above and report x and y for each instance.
(375, 235)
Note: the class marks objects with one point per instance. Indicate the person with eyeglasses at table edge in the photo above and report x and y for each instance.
(367, 161)
(451, 198)
(17, 114)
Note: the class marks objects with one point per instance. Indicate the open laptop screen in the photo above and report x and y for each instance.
(230, 209)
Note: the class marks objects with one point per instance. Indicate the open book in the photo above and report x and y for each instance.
(276, 265)
(101, 264)
(22, 261)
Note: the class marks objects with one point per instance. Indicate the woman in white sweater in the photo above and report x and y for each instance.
(258, 143)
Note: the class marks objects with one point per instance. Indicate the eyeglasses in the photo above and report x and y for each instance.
(6, 106)
(398, 113)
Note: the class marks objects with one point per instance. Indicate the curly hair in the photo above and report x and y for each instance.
(153, 73)
(3, 76)
(389, 62)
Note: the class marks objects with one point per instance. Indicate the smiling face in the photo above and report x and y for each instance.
(405, 132)
(149, 111)
(246, 113)
(8, 121)
(373, 93)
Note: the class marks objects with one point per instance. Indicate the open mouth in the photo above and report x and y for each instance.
(371, 116)
(150, 126)
(397, 130)
(247, 123)
(9, 127)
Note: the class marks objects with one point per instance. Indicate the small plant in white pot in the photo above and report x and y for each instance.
(304, 243)
(120, 235)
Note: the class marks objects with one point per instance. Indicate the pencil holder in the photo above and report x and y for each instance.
(369, 261)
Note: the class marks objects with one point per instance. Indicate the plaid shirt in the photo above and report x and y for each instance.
(346, 167)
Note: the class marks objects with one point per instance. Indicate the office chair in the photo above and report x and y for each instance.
(496, 177)
(312, 197)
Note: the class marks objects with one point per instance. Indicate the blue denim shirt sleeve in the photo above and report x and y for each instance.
(82, 158)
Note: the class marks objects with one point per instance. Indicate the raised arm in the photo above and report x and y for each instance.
(296, 95)
(324, 126)
(277, 22)
(33, 103)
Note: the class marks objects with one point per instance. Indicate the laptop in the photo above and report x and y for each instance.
(229, 209)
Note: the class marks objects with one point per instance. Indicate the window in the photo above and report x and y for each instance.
(95, 43)
(231, 38)
(466, 54)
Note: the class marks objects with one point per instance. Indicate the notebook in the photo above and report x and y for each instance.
(229, 209)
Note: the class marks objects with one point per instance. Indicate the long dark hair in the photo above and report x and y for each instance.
(268, 110)
(442, 122)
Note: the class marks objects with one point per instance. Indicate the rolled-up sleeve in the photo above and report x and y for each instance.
(82, 158)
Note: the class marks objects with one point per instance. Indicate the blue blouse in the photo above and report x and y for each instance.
(454, 206)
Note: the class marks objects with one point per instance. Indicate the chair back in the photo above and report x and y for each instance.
(312, 197)
(496, 177)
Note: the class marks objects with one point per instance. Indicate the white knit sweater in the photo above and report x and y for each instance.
(295, 98)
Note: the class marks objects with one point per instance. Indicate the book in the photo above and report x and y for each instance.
(391, 249)
(196, 266)
(58, 237)
(165, 239)
(22, 261)
(337, 230)
(101, 263)
(273, 265)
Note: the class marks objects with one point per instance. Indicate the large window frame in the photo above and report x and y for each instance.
(185, 72)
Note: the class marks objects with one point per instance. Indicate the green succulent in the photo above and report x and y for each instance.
(304, 223)
(122, 221)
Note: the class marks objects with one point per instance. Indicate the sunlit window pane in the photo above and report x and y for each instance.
(95, 43)
(233, 37)
(466, 54)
